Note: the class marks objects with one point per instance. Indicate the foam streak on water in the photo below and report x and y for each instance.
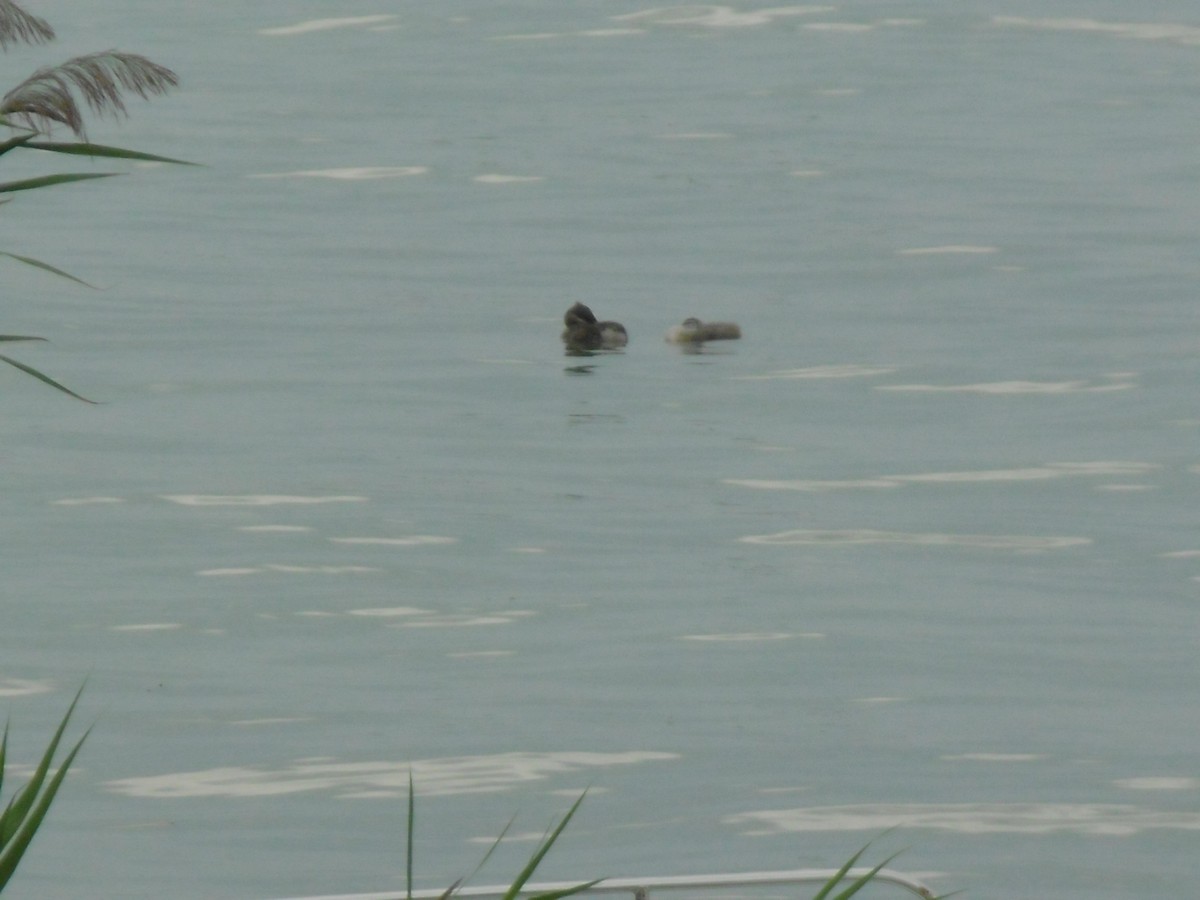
(1098, 819)
(436, 776)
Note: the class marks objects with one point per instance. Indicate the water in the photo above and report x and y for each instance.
(919, 551)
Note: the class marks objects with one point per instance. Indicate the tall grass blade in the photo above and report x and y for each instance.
(17, 141)
(534, 861)
(29, 805)
(17, 845)
(29, 184)
(483, 861)
(3, 754)
(408, 857)
(19, 337)
(86, 149)
(46, 267)
(863, 880)
(840, 874)
(29, 370)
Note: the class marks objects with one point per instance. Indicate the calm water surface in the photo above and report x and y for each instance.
(919, 552)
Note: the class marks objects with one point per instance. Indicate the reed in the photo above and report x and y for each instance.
(27, 808)
(58, 96)
(522, 878)
(841, 881)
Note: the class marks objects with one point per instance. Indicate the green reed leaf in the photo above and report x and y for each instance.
(29, 184)
(863, 880)
(29, 370)
(17, 141)
(535, 860)
(46, 267)
(82, 148)
(28, 807)
(840, 874)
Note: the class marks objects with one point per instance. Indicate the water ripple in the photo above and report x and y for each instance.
(713, 16)
(1097, 469)
(311, 25)
(1016, 542)
(1117, 382)
(1188, 35)
(451, 775)
(970, 818)
(255, 499)
(23, 687)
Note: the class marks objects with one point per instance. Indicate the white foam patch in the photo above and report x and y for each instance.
(585, 33)
(523, 837)
(609, 32)
(390, 612)
(454, 775)
(806, 173)
(276, 720)
(1159, 783)
(23, 687)
(1015, 387)
(947, 249)
(840, 27)
(1180, 554)
(266, 529)
(416, 617)
(312, 25)
(861, 536)
(319, 570)
(768, 484)
(528, 550)
(87, 501)
(532, 36)
(148, 626)
(481, 654)
(413, 540)
(1096, 469)
(234, 571)
(706, 16)
(695, 136)
(821, 372)
(1143, 31)
(755, 637)
(256, 499)
(1047, 472)
(352, 173)
(994, 757)
(458, 620)
(498, 178)
(970, 818)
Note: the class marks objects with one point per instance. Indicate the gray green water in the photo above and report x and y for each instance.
(919, 551)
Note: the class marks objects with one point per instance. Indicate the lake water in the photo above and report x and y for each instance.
(918, 552)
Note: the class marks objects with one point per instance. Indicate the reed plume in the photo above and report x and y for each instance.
(47, 97)
(18, 26)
